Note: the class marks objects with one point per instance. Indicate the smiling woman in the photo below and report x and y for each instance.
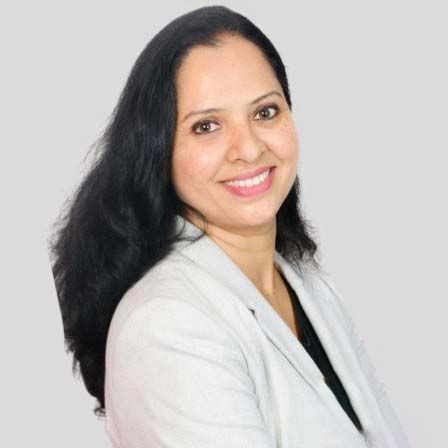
(189, 286)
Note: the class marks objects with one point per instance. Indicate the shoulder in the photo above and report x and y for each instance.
(321, 286)
(173, 296)
(163, 321)
(334, 302)
(170, 278)
(155, 321)
(316, 281)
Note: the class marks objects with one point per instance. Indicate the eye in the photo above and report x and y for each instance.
(266, 108)
(202, 125)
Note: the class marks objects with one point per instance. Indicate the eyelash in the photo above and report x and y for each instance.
(199, 123)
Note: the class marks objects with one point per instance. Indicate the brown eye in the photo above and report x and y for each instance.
(266, 115)
(203, 126)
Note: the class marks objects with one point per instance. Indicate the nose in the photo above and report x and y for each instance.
(244, 144)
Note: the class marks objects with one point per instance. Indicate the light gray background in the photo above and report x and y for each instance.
(369, 86)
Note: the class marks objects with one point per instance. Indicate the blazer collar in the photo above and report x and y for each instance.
(210, 257)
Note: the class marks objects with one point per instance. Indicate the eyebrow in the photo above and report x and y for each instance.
(214, 109)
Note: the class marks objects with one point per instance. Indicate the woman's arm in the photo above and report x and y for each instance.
(176, 379)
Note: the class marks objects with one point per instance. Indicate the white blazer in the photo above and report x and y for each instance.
(196, 357)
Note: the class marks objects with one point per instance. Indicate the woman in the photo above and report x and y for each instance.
(188, 283)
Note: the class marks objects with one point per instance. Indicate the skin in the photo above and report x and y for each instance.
(238, 139)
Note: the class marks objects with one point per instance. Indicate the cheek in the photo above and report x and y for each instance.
(193, 167)
(286, 143)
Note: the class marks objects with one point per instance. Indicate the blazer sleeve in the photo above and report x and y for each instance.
(369, 370)
(177, 379)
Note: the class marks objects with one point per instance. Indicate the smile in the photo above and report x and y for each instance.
(250, 182)
(253, 186)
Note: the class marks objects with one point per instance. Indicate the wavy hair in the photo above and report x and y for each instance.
(120, 221)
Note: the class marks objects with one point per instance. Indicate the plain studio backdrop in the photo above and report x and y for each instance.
(369, 88)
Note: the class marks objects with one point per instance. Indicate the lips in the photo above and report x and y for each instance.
(250, 174)
(246, 193)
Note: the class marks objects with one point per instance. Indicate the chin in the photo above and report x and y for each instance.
(259, 220)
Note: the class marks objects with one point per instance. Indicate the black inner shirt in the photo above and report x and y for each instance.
(313, 346)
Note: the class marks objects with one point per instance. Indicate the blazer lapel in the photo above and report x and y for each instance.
(327, 327)
(325, 321)
(207, 254)
(342, 355)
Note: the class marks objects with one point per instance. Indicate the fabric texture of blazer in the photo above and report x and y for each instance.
(196, 357)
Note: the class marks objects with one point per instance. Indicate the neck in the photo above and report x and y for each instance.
(251, 249)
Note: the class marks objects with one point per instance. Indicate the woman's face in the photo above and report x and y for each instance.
(248, 130)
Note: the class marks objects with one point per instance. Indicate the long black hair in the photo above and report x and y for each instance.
(120, 221)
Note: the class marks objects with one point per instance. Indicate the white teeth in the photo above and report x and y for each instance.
(249, 182)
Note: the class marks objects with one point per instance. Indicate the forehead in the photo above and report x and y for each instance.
(236, 71)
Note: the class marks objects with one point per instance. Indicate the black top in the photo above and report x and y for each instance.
(313, 346)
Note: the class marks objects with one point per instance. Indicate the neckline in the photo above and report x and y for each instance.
(294, 298)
